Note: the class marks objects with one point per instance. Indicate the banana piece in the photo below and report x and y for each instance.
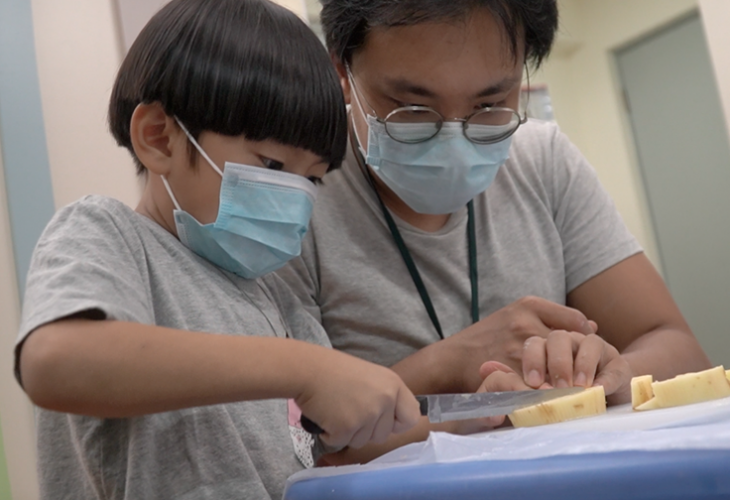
(641, 391)
(687, 389)
(587, 403)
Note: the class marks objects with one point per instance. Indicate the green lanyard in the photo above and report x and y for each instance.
(413, 270)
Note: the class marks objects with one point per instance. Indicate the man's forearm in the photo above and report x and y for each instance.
(431, 371)
(665, 353)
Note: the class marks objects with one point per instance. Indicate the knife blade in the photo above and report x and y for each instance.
(445, 407)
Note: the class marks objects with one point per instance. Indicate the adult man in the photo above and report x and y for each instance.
(430, 232)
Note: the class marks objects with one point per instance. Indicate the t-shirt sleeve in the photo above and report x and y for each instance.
(593, 233)
(86, 261)
(302, 277)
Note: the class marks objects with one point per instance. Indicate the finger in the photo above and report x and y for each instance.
(558, 317)
(587, 360)
(560, 347)
(501, 381)
(594, 325)
(614, 372)
(472, 426)
(363, 435)
(407, 411)
(384, 426)
(534, 361)
(336, 440)
(490, 367)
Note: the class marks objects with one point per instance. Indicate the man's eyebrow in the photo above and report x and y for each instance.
(499, 88)
(403, 86)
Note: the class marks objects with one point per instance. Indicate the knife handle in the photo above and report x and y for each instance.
(310, 426)
(313, 428)
(423, 402)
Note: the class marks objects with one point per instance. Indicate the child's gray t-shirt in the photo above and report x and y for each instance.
(97, 254)
(544, 227)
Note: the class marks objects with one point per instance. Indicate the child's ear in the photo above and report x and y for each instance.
(153, 136)
(342, 74)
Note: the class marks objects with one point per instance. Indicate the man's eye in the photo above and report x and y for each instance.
(272, 164)
(485, 105)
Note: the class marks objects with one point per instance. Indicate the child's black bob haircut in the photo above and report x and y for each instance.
(234, 67)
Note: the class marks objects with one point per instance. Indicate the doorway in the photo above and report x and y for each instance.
(683, 150)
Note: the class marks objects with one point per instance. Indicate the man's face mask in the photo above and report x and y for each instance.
(442, 173)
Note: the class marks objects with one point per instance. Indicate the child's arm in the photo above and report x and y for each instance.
(119, 369)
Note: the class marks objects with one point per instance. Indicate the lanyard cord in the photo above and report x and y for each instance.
(411, 265)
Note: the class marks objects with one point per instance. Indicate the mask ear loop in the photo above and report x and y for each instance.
(200, 150)
(197, 146)
(169, 191)
(362, 111)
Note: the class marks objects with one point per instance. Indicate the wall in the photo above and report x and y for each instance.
(78, 51)
(715, 17)
(587, 98)
(16, 412)
(4, 480)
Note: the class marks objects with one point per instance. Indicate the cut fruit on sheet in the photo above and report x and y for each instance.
(641, 391)
(686, 389)
(587, 403)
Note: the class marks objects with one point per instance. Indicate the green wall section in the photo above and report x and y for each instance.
(4, 480)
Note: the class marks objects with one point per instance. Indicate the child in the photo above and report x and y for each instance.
(160, 352)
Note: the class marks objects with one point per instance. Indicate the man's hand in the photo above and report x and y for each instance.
(501, 336)
(567, 359)
(564, 359)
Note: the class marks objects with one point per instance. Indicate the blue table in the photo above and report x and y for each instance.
(634, 475)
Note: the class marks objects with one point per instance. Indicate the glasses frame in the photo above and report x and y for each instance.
(521, 120)
(464, 123)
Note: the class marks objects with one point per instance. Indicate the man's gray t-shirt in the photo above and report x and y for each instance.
(544, 227)
(99, 255)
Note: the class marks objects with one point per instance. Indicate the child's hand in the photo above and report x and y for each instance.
(567, 359)
(497, 377)
(356, 402)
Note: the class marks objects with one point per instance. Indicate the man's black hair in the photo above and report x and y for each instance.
(234, 67)
(346, 23)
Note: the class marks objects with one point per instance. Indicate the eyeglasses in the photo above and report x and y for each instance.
(416, 124)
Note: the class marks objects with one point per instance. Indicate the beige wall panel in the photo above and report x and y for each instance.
(78, 52)
(587, 96)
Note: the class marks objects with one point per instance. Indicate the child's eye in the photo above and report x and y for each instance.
(272, 164)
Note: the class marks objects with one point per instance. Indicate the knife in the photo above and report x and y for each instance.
(445, 407)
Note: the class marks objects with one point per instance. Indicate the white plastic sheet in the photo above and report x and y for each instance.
(704, 426)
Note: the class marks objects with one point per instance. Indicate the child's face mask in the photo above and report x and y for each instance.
(263, 216)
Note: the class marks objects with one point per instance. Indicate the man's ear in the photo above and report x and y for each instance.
(154, 135)
(342, 74)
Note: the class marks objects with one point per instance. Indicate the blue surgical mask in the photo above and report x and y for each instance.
(438, 176)
(263, 216)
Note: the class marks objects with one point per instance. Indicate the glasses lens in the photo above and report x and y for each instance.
(413, 124)
(491, 125)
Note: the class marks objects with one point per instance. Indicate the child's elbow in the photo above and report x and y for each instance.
(41, 361)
